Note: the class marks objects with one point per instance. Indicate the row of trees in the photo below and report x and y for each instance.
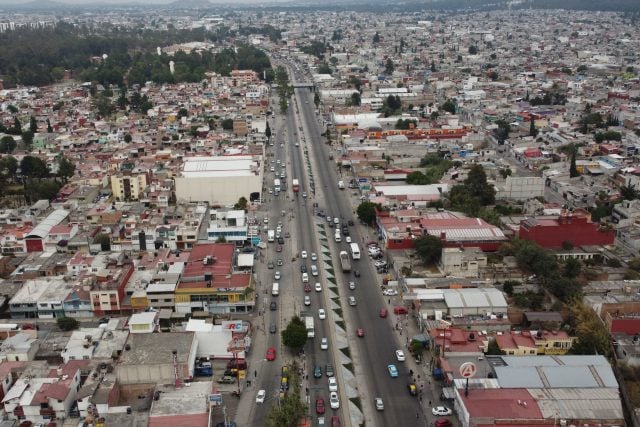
(40, 56)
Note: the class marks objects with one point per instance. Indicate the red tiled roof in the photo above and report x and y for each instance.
(505, 403)
(221, 252)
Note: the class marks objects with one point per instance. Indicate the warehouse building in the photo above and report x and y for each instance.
(220, 180)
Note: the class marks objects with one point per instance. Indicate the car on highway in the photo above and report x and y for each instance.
(305, 277)
(347, 239)
(350, 222)
(360, 332)
(400, 356)
(279, 262)
(272, 328)
(324, 344)
(276, 275)
(352, 286)
(383, 312)
(303, 254)
(335, 421)
(333, 384)
(317, 371)
(322, 314)
(356, 273)
(279, 248)
(318, 287)
(303, 268)
(413, 390)
(379, 403)
(307, 300)
(314, 270)
(334, 400)
(307, 287)
(442, 422)
(352, 301)
(227, 379)
(393, 371)
(273, 306)
(328, 370)
(314, 257)
(304, 194)
(441, 411)
(281, 240)
(380, 264)
(399, 310)
(270, 265)
(319, 405)
(271, 354)
(260, 396)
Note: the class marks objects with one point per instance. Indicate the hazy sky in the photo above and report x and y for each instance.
(9, 2)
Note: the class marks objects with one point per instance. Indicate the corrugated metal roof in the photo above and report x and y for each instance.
(518, 377)
(569, 376)
(54, 218)
(582, 403)
(490, 298)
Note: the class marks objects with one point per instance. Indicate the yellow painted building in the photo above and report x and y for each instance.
(126, 187)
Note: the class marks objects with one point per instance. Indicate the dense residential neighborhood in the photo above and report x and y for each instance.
(463, 187)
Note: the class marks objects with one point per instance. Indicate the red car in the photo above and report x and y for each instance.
(399, 310)
(442, 423)
(360, 332)
(335, 421)
(383, 312)
(278, 248)
(307, 287)
(271, 354)
(319, 405)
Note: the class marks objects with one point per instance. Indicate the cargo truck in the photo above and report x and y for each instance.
(296, 185)
(311, 332)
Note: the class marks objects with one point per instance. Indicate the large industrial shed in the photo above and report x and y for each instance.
(148, 358)
(474, 301)
(219, 180)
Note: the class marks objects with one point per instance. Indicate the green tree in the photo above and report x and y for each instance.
(241, 204)
(49, 128)
(316, 99)
(592, 336)
(572, 268)
(449, 106)
(628, 192)
(532, 128)
(67, 323)
(417, 178)
(33, 124)
(8, 167)
(182, 112)
(27, 138)
(366, 212)
(267, 132)
(507, 287)
(7, 144)
(502, 131)
(493, 349)
(376, 38)
(66, 169)
(428, 249)
(389, 67)
(227, 124)
(291, 409)
(34, 167)
(295, 335)
(477, 184)
(473, 50)
(573, 170)
(355, 99)
(128, 138)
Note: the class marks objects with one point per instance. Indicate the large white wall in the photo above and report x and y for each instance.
(223, 191)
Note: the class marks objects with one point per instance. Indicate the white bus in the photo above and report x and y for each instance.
(275, 289)
(355, 251)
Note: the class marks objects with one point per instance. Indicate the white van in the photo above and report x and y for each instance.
(305, 278)
(275, 289)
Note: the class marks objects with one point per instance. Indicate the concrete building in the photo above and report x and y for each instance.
(40, 298)
(465, 262)
(185, 407)
(144, 323)
(128, 187)
(575, 228)
(219, 180)
(231, 224)
(149, 358)
(520, 188)
(21, 347)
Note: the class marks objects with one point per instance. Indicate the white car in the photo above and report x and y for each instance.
(379, 264)
(318, 287)
(333, 384)
(379, 404)
(334, 401)
(347, 239)
(260, 396)
(324, 344)
(277, 275)
(322, 314)
(441, 411)
(314, 257)
(390, 292)
(307, 300)
(400, 356)
(352, 285)
(303, 254)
